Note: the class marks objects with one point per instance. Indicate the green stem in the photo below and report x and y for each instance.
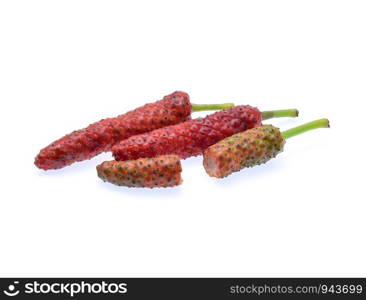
(201, 107)
(279, 113)
(265, 114)
(321, 123)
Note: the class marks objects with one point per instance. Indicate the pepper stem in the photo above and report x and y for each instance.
(202, 107)
(321, 123)
(279, 113)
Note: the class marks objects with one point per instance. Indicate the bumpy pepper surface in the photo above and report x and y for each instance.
(189, 138)
(101, 136)
(163, 171)
(242, 150)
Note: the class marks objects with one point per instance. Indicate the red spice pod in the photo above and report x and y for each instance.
(101, 136)
(192, 137)
(162, 171)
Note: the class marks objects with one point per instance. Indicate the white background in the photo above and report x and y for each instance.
(65, 64)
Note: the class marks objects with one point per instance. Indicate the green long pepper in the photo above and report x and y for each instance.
(252, 147)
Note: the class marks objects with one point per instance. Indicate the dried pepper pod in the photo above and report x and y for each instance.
(162, 171)
(101, 136)
(192, 137)
(252, 147)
